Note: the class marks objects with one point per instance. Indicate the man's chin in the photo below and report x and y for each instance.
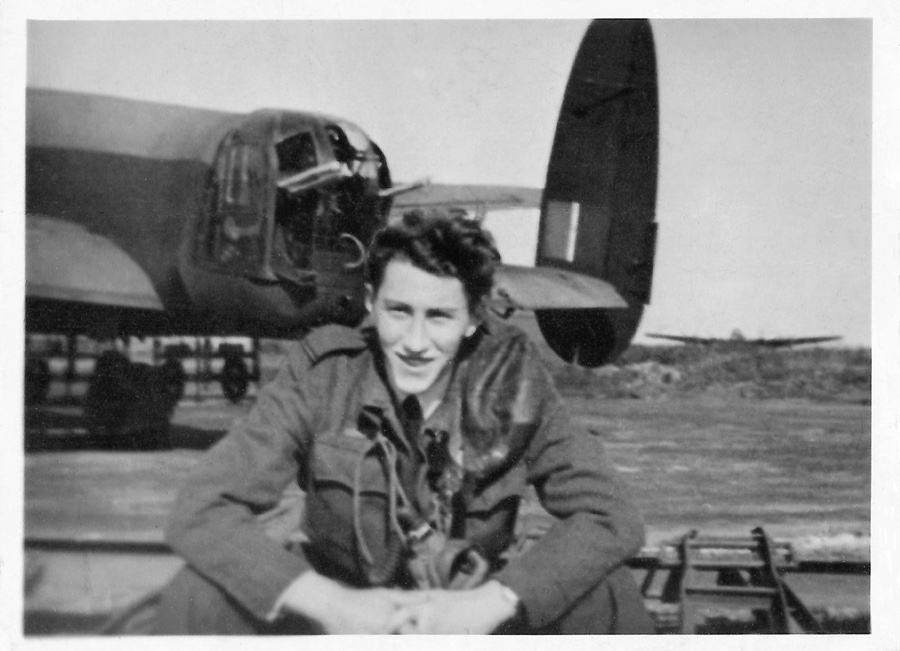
(409, 382)
(412, 387)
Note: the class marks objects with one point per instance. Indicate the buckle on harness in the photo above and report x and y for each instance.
(419, 534)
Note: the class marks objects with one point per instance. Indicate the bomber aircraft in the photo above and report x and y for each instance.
(737, 339)
(145, 219)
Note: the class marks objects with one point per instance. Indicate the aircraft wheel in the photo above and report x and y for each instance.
(106, 404)
(173, 379)
(129, 402)
(37, 380)
(235, 379)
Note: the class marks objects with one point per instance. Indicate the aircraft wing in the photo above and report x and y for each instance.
(66, 262)
(477, 199)
(775, 342)
(785, 342)
(548, 288)
(685, 340)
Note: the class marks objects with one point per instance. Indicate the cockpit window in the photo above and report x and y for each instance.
(243, 201)
(296, 153)
(344, 152)
(331, 202)
(233, 237)
(358, 140)
(354, 149)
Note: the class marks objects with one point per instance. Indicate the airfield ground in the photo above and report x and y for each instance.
(718, 441)
(800, 469)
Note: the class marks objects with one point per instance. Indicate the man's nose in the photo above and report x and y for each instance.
(416, 339)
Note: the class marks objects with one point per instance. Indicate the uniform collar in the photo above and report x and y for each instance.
(375, 391)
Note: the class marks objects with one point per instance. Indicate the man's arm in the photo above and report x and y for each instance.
(214, 522)
(597, 527)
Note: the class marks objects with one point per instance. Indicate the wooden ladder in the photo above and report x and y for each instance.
(722, 575)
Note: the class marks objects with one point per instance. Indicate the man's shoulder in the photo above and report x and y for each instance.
(502, 344)
(329, 340)
(502, 334)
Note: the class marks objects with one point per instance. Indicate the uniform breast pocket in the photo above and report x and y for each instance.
(347, 498)
(491, 513)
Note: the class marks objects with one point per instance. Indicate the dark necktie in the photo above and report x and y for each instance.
(432, 482)
(433, 444)
(412, 417)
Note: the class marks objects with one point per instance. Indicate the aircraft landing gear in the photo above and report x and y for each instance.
(173, 379)
(235, 377)
(130, 402)
(105, 405)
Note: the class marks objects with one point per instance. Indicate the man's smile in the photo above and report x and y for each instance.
(414, 361)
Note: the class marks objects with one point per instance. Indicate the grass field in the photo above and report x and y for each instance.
(798, 468)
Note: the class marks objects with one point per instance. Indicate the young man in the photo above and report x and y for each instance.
(414, 441)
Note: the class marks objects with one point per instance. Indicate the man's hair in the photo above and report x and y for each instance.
(440, 243)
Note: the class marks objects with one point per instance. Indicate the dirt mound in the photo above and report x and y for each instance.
(817, 374)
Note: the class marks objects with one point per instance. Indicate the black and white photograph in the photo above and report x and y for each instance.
(447, 324)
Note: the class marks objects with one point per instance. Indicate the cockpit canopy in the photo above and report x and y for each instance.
(289, 193)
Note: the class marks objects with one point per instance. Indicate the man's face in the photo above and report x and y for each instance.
(421, 321)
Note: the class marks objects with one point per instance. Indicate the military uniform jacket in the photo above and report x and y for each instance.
(310, 426)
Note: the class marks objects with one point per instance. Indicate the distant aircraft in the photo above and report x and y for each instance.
(737, 339)
(147, 219)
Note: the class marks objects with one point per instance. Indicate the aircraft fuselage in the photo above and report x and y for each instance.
(239, 222)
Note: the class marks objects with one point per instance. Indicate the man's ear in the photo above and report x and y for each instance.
(370, 298)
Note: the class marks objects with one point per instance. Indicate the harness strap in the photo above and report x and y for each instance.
(398, 505)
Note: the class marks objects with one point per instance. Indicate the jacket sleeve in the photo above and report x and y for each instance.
(597, 527)
(214, 523)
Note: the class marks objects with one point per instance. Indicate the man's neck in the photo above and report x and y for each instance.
(431, 398)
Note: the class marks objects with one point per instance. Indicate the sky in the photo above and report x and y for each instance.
(764, 203)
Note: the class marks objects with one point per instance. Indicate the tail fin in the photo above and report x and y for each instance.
(598, 208)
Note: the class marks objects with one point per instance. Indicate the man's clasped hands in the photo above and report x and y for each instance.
(340, 609)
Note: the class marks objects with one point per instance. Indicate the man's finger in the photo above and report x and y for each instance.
(403, 620)
(406, 629)
(408, 597)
